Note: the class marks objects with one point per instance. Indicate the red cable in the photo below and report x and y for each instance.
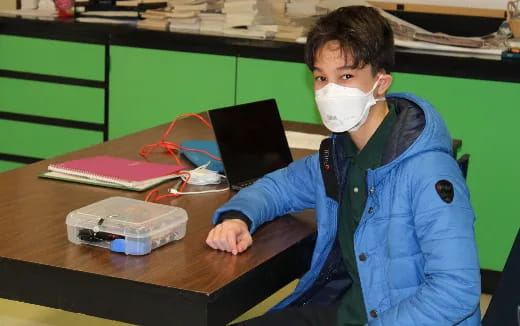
(153, 195)
(171, 147)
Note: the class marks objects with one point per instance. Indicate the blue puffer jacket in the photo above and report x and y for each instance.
(421, 265)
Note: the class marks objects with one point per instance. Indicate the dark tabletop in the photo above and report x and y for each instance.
(184, 283)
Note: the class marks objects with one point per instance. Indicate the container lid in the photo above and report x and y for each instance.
(127, 216)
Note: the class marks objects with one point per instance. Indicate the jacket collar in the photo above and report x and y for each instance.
(408, 127)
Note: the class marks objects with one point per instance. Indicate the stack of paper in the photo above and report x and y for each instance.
(115, 14)
(249, 32)
(191, 24)
(154, 19)
(264, 14)
(268, 29)
(102, 20)
(277, 11)
(253, 18)
(8, 5)
(29, 13)
(195, 5)
(212, 23)
(289, 33)
(303, 8)
(181, 14)
(240, 13)
(157, 14)
(135, 3)
(184, 14)
(47, 5)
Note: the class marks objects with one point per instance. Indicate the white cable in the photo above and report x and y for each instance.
(175, 191)
(202, 176)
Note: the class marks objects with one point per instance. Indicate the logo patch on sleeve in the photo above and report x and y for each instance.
(445, 190)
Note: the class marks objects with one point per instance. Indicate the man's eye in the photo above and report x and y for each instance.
(320, 78)
(346, 76)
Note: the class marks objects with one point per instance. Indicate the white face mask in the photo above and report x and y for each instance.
(344, 108)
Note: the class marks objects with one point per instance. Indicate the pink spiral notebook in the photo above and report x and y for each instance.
(120, 171)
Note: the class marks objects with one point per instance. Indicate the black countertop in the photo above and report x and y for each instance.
(406, 62)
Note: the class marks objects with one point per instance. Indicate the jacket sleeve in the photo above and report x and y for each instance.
(284, 191)
(450, 290)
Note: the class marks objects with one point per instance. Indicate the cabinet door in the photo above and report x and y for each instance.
(52, 100)
(48, 89)
(151, 87)
(50, 57)
(485, 115)
(44, 141)
(289, 83)
(8, 165)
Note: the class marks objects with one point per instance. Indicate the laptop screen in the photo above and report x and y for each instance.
(251, 140)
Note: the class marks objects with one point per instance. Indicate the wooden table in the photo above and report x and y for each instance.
(182, 283)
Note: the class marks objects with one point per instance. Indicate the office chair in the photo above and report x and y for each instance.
(504, 308)
(456, 145)
(463, 162)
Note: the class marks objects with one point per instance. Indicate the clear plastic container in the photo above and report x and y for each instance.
(131, 226)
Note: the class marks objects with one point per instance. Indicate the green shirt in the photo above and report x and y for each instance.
(351, 311)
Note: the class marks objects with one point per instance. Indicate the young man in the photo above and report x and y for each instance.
(395, 242)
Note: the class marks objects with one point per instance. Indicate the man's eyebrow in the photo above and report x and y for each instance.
(345, 67)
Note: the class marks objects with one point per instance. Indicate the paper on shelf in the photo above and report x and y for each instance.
(304, 140)
(450, 48)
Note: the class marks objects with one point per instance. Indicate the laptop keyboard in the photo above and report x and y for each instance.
(243, 184)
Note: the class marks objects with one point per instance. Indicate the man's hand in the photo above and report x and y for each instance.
(231, 235)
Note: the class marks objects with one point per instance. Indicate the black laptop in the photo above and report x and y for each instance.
(251, 141)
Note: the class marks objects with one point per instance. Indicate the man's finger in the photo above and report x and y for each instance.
(219, 238)
(231, 241)
(210, 241)
(244, 241)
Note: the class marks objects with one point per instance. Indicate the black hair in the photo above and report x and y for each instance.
(360, 31)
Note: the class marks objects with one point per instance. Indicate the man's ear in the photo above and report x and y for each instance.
(385, 81)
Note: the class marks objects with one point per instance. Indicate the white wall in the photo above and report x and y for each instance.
(488, 4)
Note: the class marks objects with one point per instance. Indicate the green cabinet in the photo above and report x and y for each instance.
(151, 87)
(52, 98)
(484, 115)
(44, 141)
(50, 57)
(291, 84)
(8, 165)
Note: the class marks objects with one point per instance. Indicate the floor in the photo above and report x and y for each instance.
(13, 313)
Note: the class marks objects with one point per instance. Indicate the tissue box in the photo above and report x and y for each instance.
(126, 225)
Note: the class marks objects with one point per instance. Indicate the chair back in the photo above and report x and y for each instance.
(463, 162)
(504, 307)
